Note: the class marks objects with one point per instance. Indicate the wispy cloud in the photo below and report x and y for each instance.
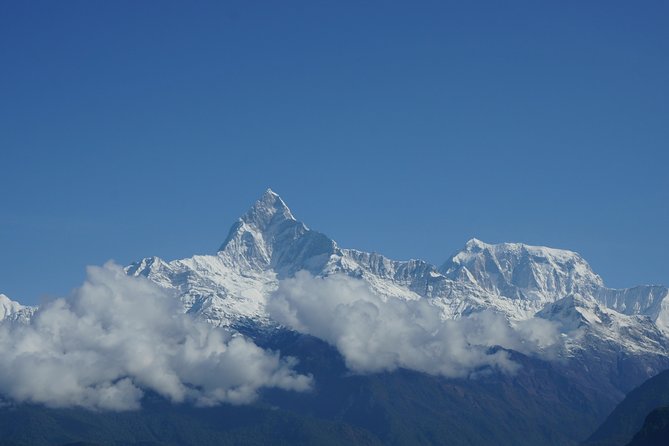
(117, 336)
(374, 334)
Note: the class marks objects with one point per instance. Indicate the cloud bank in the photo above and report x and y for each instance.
(118, 335)
(374, 334)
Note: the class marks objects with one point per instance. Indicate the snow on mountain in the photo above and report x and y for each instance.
(267, 244)
(231, 287)
(13, 311)
(210, 288)
(521, 271)
(582, 319)
(648, 300)
(269, 237)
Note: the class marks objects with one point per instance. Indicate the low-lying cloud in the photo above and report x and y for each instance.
(375, 334)
(118, 336)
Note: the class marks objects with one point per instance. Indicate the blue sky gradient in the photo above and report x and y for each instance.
(130, 129)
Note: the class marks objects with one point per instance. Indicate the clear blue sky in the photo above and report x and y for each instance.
(130, 129)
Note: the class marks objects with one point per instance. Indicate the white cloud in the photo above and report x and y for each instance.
(118, 335)
(374, 334)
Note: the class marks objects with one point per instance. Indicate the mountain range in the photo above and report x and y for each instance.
(267, 244)
(611, 340)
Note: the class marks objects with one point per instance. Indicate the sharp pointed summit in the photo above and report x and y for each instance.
(268, 236)
(263, 218)
(475, 244)
(267, 210)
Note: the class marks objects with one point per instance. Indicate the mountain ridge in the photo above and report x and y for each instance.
(604, 352)
(268, 243)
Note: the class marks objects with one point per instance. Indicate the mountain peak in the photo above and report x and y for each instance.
(475, 244)
(267, 214)
(517, 270)
(10, 309)
(268, 236)
(268, 209)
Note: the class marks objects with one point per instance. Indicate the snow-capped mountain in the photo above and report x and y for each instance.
(13, 311)
(269, 237)
(650, 301)
(611, 340)
(586, 322)
(518, 271)
(267, 244)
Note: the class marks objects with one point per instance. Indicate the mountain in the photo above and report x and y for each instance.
(537, 406)
(533, 276)
(267, 244)
(522, 272)
(628, 416)
(14, 311)
(655, 430)
(650, 301)
(612, 340)
(587, 322)
(164, 424)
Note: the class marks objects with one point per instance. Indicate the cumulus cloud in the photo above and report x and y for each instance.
(375, 334)
(119, 335)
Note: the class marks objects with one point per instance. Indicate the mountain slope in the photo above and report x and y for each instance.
(628, 417)
(543, 404)
(163, 424)
(586, 322)
(655, 430)
(540, 405)
(649, 300)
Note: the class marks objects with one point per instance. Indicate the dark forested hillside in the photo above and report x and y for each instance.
(628, 417)
(545, 403)
(655, 430)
